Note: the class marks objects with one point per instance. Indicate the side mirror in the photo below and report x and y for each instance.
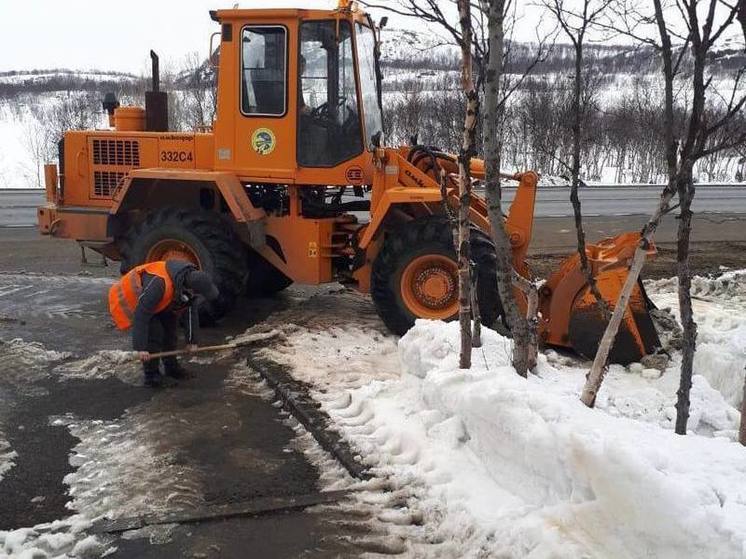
(214, 56)
(383, 22)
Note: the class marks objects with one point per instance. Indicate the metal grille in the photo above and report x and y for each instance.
(116, 152)
(105, 182)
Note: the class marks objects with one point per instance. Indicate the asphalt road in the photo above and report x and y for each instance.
(18, 207)
(90, 439)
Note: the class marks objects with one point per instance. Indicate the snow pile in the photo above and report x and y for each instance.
(495, 465)
(612, 486)
(719, 305)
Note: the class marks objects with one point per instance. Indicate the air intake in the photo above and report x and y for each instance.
(122, 153)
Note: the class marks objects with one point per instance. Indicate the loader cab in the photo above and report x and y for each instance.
(298, 96)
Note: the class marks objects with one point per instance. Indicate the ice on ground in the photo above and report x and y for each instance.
(22, 362)
(60, 539)
(125, 468)
(7, 455)
(103, 364)
(30, 353)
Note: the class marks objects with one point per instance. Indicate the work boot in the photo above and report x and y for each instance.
(154, 378)
(176, 371)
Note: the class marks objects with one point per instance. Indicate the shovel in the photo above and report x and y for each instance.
(248, 340)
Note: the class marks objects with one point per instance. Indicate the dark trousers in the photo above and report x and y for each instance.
(162, 337)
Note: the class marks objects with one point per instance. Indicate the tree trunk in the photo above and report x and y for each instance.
(476, 332)
(532, 318)
(688, 326)
(464, 161)
(575, 171)
(742, 430)
(492, 149)
(598, 369)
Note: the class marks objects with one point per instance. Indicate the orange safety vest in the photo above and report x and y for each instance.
(124, 295)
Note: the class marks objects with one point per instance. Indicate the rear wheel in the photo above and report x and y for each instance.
(416, 275)
(202, 238)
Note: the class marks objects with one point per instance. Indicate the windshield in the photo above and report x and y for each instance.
(366, 43)
(329, 118)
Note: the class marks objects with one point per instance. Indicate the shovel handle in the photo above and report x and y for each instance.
(204, 349)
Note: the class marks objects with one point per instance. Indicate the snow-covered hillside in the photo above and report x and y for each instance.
(421, 96)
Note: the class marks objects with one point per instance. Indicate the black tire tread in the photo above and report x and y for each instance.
(436, 231)
(225, 249)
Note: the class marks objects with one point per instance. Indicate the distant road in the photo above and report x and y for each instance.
(18, 206)
(632, 200)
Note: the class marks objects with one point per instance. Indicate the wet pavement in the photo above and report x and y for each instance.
(90, 439)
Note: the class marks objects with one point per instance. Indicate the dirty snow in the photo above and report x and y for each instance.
(496, 465)
(7, 455)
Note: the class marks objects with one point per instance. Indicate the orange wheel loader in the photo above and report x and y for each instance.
(294, 183)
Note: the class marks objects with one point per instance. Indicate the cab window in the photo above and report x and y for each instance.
(263, 74)
(329, 119)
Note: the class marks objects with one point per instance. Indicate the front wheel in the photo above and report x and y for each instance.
(202, 238)
(416, 275)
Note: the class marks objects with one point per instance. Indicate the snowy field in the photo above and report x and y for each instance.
(500, 466)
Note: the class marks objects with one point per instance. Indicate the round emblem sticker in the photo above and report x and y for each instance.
(354, 175)
(263, 141)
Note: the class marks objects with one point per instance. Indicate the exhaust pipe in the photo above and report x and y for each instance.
(156, 101)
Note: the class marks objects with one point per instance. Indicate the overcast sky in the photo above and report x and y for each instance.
(88, 34)
(84, 34)
(100, 34)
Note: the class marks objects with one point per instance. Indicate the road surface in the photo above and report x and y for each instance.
(18, 206)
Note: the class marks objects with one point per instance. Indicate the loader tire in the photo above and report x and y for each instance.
(264, 279)
(421, 252)
(200, 237)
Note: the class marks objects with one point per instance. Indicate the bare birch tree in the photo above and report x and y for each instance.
(487, 44)
(464, 163)
(494, 102)
(685, 144)
(742, 430)
(575, 25)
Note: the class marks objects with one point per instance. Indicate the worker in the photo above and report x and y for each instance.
(150, 299)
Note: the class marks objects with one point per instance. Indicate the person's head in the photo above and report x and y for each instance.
(199, 283)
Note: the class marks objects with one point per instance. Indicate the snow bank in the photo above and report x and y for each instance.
(613, 486)
(720, 312)
(496, 465)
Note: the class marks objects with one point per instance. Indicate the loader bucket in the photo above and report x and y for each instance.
(636, 336)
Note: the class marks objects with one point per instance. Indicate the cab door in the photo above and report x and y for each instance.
(265, 131)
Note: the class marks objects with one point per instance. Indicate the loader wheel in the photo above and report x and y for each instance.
(201, 238)
(416, 275)
(264, 279)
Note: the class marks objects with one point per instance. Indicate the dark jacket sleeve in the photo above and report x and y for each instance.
(152, 293)
(191, 321)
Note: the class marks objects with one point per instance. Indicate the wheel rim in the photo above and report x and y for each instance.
(429, 287)
(172, 249)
